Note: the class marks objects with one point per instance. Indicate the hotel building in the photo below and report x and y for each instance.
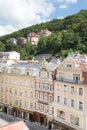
(17, 89)
(70, 93)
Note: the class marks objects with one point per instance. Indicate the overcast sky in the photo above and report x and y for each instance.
(17, 14)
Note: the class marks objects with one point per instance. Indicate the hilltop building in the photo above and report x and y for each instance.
(33, 38)
(44, 32)
(21, 40)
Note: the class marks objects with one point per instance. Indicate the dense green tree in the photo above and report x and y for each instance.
(70, 40)
(2, 47)
(42, 45)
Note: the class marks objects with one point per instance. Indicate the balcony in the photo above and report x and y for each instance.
(43, 102)
(69, 81)
(57, 121)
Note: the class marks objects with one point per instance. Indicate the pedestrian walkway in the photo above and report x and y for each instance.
(3, 122)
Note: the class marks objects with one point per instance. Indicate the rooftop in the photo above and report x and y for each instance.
(15, 126)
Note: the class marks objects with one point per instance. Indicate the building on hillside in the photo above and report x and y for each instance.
(70, 93)
(9, 56)
(21, 40)
(13, 40)
(44, 93)
(17, 89)
(44, 32)
(33, 38)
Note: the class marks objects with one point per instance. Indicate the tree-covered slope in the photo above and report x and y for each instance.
(68, 34)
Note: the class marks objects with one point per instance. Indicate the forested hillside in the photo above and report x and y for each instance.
(68, 35)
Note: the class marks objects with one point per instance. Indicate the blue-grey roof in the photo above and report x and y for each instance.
(27, 65)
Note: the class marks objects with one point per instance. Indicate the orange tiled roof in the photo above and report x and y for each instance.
(15, 126)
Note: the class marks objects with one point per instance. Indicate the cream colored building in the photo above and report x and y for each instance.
(17, 90)
(70, 93)
(33, 38)
(46, 92)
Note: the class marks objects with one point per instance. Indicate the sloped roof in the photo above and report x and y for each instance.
(15, 126)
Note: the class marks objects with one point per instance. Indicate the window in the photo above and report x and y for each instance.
(72, 103)
(10, 91)
(65, 101)
(61, 76)
(27, 73)
(61, 114)
(57, 87)
(80, 106)
(74, 120)
(15, 92)
(69, 65)
(37, 96)
(51, 87)
(46, 86)
(25, 104)
(37, 85)
(80, 91)
(31, 105)
(65, 88)
(6, 90)
(25, 93)
(1, 89)
(72, 89)
(31, 94)
(58, 99)
(76, 77)
(20, 103)
(16, 102)
(20, 93)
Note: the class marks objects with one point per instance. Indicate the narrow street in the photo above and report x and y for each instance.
(5, 119)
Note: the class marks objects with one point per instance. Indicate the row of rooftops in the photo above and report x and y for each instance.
(25, 66)
(79, 59)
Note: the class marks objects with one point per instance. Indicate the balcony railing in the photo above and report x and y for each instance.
(60, 122)
(43, 102)
(69, 81)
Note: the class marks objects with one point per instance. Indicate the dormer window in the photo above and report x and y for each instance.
(69, 65)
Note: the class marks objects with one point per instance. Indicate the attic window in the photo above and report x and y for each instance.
(69, 65)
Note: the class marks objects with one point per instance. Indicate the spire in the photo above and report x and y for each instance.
(44, 62)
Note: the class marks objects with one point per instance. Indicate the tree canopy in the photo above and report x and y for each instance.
(68, 35)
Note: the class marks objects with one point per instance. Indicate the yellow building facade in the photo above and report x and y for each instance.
(17, 92)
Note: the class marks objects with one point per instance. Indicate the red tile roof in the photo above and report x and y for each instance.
(15, 126)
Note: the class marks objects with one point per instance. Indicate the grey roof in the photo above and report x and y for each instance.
(27, 65)
(52, 66)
